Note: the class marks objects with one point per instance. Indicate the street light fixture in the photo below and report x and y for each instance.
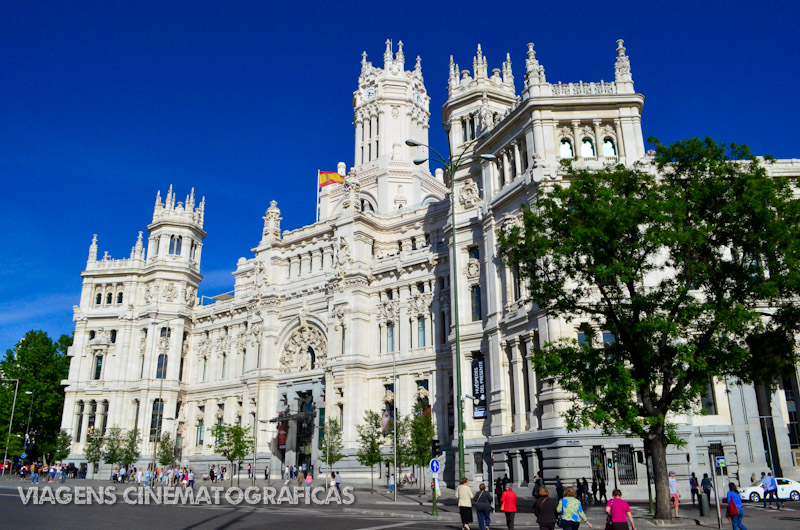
(450, 167)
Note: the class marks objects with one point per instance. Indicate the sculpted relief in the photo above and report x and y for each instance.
(305, 349)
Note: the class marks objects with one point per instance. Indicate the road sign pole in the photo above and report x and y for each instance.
(434, 466)
(716, 494)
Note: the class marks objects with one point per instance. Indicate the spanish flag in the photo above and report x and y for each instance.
(329, 177)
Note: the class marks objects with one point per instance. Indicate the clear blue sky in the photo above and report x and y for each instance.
(103, 103)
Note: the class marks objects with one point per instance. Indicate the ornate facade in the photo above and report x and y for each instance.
(320, 315)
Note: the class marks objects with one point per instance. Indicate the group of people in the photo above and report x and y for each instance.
(54, 472)
(567, 508)
(598, 490)
(167, 476)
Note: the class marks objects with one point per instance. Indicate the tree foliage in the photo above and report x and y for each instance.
(331, 446)
(130, 447)
(689, 268)
(166, 450)
(63, 444)
(113, 446)
(370, 442)
(422, 433)
(232, 442)
(40, 365)
(94, 448)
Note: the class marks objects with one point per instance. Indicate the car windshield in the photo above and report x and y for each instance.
(756, 483)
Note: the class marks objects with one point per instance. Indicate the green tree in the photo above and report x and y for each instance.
(130, 447)
(370, 441)
(40, 365)
(63, 444)
(421, 433)
(331, 446)
(233, 442)
(113, 446)
(404, 445)
(166, 450)
(677, 267)
(94, 449)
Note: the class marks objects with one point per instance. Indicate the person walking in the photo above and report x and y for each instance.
(508, 504)
(498, 491)
(706, 485)
(483, 503)
(771, 491)
(571, 511)
(191, 479)
(694, 486)
(338, 482)
(586, 490)
(619, 512)
(602, 497)
(332, 482)
(595, 500)
(546, 510)
(674, 494)
(559, 487)
(735, 510)
(391, 484)
(464, 497)
(250, 471)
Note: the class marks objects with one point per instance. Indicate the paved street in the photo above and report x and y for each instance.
(369, 512)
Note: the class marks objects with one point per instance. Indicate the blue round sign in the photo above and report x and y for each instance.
(23, 455)
(435, 466)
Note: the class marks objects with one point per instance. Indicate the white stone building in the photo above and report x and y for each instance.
(319, 314)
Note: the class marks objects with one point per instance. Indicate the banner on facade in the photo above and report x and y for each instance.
(478, 389)
(282, 435)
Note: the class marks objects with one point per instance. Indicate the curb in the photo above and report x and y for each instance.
(425, 516)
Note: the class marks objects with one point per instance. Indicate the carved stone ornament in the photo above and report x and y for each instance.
(188, 295)
(389, 310)
(420, 304)
(151, 293)
(473, 268)
(272, 221)
(342, 254)
(352, 192)
(170, 293)
(295, 356)
(388, 396)
(422, 393)
(255, 333)
(469, 196)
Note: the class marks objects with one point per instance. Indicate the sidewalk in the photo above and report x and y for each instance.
(411, 504)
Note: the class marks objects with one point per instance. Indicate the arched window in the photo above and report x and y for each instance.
(161, 367)
(165, 333)
(178, 244)
(98, 366)
(312, 356)
(98, 300)
(224, 365)
(421, 332)
(201, 430)
(193, 251)
(609, 149)
(172, 244)
(587, 148)
(175, 245)
(565, 150)
(119, 297)
(366, 206)
(109, 298)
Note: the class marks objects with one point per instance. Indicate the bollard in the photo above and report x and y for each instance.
(705, 509)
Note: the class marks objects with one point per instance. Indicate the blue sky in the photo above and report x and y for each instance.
(104, 103)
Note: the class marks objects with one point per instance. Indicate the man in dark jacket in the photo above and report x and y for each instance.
(545, 510)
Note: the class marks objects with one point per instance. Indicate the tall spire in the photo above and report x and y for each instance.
(401, 58)
(387, 55)
(479, 64)
(138, 249)
(418, 68)
(622, 71)
(508, 76)
(93, 250)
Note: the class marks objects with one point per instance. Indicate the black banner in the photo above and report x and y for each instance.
(478, 389)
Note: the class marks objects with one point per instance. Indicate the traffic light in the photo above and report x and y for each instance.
(610, 464)
(435, 449)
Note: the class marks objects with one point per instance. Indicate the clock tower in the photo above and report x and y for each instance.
(389, 107)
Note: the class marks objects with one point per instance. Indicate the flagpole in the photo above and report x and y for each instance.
(317, 196)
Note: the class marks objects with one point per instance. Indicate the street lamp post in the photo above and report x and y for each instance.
(394, 420)
(258, 394)
(30, 409)
(10, 422)
(450, 168)
(160, 370)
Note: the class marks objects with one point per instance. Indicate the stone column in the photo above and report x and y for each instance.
(517, 160)
(506, 167)
(87, 408)
(538, 133)
(598, 139)
(519, 390)
(515, 467)
(576, 135)
(620, 145)
(359, 142)
(533, 419)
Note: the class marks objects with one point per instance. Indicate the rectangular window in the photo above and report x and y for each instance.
(205, 368)
(390, 337)
(200, 432)
(626, 465)
(98, 366)
(609, 338)
(421, 332)
(708, 400)
(224, 365)
(477, 313)
(156, 420)
(583, 340)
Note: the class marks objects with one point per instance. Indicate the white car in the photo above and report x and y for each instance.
(787, 489)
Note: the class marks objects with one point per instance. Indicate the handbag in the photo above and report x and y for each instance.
(733, 510)
(609, 524)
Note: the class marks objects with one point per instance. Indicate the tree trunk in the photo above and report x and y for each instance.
(372, 478)
(657, 447)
